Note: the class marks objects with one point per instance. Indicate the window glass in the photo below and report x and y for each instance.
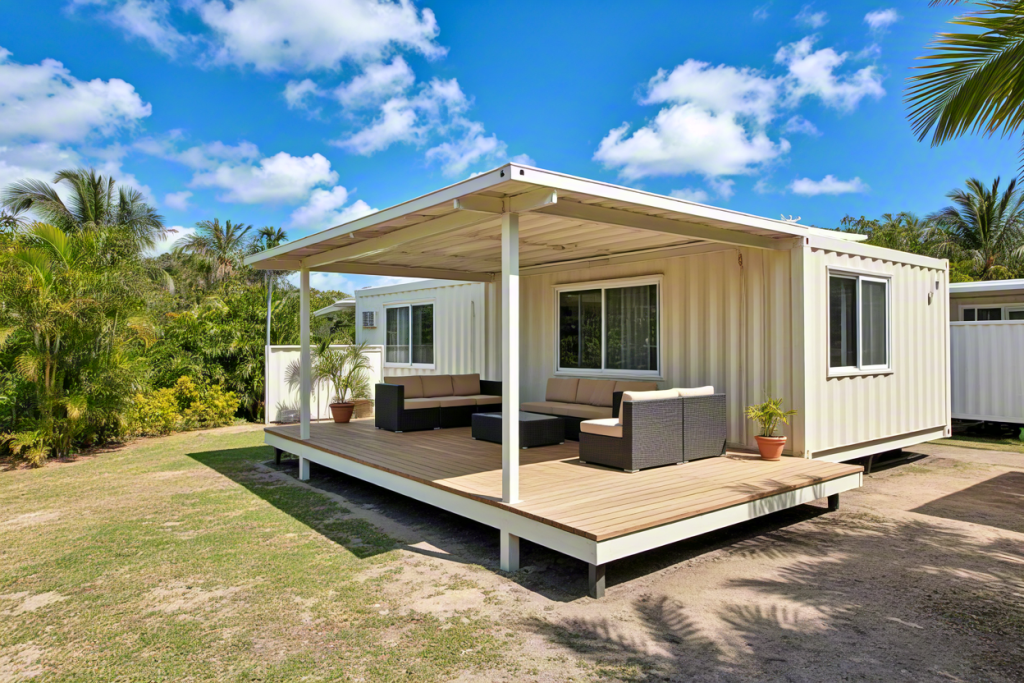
(990, 314)
(397, 341)
(631, 315)
(842, 304)
(873, 323)
(1015, 315)
(579, 315)
(423, 334)
(970, 315)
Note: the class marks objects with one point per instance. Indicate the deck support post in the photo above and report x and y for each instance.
(305, 359)
(833, 502)
(510, 357)
(596, 587)
(277, 455)
(509, 552)
(303, 469)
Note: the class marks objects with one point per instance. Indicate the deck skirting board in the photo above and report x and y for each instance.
(546, 535)
(656, 537)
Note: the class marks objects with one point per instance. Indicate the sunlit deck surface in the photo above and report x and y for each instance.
(556, 489)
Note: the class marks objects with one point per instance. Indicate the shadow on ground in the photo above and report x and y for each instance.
(997, 502)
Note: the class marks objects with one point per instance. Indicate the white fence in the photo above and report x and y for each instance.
(987, 370)
(283, 403)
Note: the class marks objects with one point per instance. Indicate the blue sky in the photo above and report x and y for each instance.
(307, 113)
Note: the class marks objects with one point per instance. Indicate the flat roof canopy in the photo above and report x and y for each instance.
(455, 233)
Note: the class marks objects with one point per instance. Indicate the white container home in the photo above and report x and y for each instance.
(585, 279)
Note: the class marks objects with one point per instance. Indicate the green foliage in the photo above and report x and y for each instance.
(185, 406)
(768, 415)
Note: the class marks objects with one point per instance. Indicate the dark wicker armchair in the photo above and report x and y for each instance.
(390, 412)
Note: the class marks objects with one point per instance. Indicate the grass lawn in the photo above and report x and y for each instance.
(182, 559)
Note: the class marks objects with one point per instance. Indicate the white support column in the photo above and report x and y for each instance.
(509, 552)
(305, 359)
(303, 469)
(510, 357)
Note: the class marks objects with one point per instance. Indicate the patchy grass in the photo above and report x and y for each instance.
(1007, 444)
(182, 559)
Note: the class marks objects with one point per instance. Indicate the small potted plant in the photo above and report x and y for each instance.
(344, 370)
(768, 415)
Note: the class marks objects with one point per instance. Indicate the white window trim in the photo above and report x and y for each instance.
(1004, 308)
(601, 372)
(409, 305)
(860, 369)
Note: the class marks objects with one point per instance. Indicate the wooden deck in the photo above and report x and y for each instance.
(591, 501)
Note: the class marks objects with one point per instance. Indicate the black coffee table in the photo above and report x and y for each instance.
(534, 429)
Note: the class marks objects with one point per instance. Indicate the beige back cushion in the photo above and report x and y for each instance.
(437, 385)
(632, 385)
(696, 391)
(650, 395)
(595, 392)
(413, 385)
(562, 389)
(466, 385)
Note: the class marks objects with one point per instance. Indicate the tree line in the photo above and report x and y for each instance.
(97, 332)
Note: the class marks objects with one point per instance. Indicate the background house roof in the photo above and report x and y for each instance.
(987, 287)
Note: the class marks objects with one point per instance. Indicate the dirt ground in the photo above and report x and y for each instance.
(919, 576)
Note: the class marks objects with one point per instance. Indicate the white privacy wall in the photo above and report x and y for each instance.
(283, 403)
(988, 370)
(458, 323)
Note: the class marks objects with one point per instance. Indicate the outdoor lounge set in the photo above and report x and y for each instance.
(627, 425)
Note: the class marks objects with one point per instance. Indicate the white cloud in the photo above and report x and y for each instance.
(377, 83)
(177, 200)
(692, 194)
(810, 18)
(723, 187)
(44, 102)
(296, 93)
(761, 13)
(881, 19)
(812, 72)
(37, 161)
(280, 178)
(827, 185)
(524, 159)
(310, 35)
(716, 89)
(798, 124)
(327, 208)
(145, 19)
(397, 123)
(473, 146)
(762, 187)
(175, 234)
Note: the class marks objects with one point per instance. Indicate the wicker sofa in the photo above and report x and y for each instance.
(416, 402)
(657, 428)
(575, 400)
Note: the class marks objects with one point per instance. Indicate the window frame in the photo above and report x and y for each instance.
(860, 368)
(603, 371)
(433, 316)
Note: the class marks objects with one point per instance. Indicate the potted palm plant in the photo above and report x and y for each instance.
(343, 371)
(768, 415)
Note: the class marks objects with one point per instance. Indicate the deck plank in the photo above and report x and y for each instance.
(556, 489)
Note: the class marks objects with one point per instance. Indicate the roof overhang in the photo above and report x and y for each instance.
(341, 305)
(564, 222)
(987, 287)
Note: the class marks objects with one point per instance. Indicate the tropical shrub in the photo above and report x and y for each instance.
(155, 413)
(185, 406)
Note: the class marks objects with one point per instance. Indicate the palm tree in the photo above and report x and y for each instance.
(983, 224)
(267, 238)
(220, 246)
(93, 201)
(974, 82)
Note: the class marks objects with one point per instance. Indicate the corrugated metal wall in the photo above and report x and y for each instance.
(458, 326)
(988, 370)
(726, 322)
(854, 410)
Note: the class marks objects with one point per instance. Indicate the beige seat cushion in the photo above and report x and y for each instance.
(631, 385)
(586, 412)
(696, 391)
(608, 426)
(649, 395)
(484, 400)
(562, 389)
(466, 385)
(456, 401)
(545, 407)
(418, 403)
(412, 383)
(595, 392)
(437, 385)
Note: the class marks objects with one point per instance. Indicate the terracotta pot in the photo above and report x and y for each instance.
(342, 412)
(770, 446)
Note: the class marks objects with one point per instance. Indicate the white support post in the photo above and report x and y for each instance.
(510, 357)
(509, 552)
(305, 359)
(303, 469)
